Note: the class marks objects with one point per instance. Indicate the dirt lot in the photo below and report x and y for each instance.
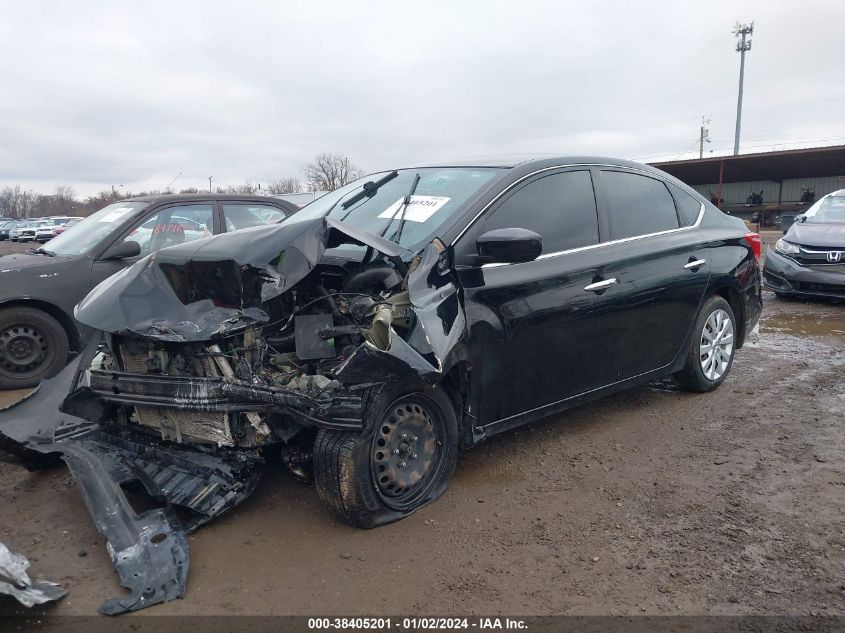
(653, 501)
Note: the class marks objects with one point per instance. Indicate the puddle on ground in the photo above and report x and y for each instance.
(828, 324)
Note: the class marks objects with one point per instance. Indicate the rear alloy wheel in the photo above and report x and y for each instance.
(33, 346)
(712, 349)
(716, 345)
(401, 462)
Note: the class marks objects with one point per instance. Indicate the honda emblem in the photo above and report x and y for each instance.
(834, 256)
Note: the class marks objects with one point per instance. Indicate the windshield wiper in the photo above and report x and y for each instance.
(369, 190)
(42, 251)
(404, 206)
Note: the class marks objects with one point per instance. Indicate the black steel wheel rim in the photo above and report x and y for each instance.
(23, 350)
(408, 453)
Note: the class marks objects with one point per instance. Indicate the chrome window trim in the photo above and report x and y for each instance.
(590, 246)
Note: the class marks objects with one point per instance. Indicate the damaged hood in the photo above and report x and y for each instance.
(214, 286)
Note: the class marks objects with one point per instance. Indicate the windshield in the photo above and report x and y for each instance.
(831, 208)
(439, 194)
(82, 236)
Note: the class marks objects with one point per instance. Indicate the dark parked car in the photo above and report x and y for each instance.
(40, 289)
(5, 226)
(379, 330)
(810, 258)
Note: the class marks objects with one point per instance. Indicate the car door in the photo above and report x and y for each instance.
(530, 324)
(655, 267)
(166, 226)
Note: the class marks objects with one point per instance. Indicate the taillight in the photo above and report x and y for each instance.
(756, 243)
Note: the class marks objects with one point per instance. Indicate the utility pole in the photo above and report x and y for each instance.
(209, 184)
(741, 31)
(705, 136)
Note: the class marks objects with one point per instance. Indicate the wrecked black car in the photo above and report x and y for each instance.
(368, 338)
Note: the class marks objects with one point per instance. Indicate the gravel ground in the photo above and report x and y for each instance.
(652, 501)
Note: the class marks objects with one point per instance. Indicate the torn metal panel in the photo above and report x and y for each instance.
(208, 484)
(15, 582)
(436, 302)
(149, 551)
(29, 427)
(433, 342)
(208, 288)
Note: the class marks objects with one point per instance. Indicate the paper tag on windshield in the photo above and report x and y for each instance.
(420, 209)
(116, 214)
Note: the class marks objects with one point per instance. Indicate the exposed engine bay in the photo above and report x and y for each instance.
(266, 383)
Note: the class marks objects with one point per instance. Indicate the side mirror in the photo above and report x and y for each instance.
(122, 250)
(800, 218)
(509, 246)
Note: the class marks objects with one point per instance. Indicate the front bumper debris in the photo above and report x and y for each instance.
(149, 548)
(149, 551)
(340, 411)
(15, 582)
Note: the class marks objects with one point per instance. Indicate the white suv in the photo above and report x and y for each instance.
(47, 231)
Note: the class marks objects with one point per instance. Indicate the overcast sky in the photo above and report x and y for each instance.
(129, 93)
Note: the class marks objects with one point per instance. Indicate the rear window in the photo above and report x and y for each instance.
(689, 207)
(637, 205)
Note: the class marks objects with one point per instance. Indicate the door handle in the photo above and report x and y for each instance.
(601, 285)
(695, 264)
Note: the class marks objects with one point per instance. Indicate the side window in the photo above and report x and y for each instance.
(241, 216)
(690, 207)
(561, 208)
(637, 205)
(173, 225)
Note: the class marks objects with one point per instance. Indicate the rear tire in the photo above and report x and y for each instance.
(33, 346)
(402, 460)
(711, 353)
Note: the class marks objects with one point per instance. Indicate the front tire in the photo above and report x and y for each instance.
(33, 346)
(712, 348)
(402, 460)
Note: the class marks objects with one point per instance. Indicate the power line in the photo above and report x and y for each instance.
(653, 157)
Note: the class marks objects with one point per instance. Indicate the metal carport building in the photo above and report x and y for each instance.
(780, 175)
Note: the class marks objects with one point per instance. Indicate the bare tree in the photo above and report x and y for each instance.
(18, 203)
(329, 171)
(246, 188)
(65, 194)
(284, 185)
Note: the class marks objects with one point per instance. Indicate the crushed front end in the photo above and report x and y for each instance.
(207, 362)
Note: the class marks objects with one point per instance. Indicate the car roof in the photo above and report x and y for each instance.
(179, 197)
(510, 161)
(223, 197)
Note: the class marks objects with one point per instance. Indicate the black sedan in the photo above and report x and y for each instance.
(40, 289)
(384, 327)
(809, 260)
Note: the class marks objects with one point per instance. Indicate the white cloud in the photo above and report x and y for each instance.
(94, 94)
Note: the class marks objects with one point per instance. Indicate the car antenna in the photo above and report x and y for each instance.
(405, 204)
(161, 193)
